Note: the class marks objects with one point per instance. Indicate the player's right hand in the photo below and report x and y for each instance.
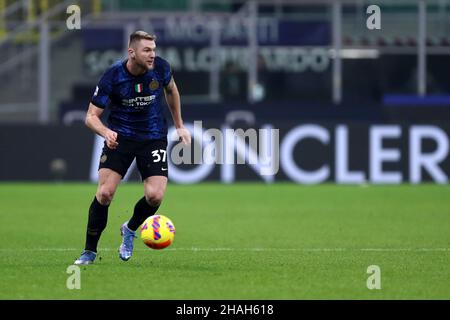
(111, 139)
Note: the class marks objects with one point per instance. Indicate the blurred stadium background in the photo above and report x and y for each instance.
(282, 63)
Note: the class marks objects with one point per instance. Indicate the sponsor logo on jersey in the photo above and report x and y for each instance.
(138, 102)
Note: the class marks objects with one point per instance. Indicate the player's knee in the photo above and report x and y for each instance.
(155, 197)
(105, 195)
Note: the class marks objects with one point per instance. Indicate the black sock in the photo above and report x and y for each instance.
(142, 210)
(98, 217)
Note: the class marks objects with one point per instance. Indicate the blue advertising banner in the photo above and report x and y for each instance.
(196, 31)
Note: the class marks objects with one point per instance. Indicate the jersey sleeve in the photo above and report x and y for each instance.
(103, 90)
(167, 74)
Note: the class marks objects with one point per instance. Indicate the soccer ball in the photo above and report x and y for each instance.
(157, 232)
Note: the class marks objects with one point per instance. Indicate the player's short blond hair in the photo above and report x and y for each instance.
(140, 35)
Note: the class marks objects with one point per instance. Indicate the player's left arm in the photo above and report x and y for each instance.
(174, 102)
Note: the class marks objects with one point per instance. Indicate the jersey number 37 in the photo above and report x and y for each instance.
(159, 155)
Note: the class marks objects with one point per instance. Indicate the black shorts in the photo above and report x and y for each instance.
(151, 157)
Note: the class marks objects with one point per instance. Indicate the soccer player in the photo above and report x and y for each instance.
(137, 129)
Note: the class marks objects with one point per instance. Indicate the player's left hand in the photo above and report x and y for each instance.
(185, 135)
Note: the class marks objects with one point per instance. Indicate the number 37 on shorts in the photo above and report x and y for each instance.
(159, 161)
(159, 155)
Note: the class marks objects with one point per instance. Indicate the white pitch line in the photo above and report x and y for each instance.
(247, 249)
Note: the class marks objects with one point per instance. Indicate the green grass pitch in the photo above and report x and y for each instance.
(242, 241)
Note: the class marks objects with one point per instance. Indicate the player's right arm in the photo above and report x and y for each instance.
(100, 100)
(94, 122)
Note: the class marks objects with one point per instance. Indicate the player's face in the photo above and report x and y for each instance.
(145, 54)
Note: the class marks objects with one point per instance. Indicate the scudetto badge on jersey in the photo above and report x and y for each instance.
(139, 87)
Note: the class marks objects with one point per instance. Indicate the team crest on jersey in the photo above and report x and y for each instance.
(139, 87)
(154, 85)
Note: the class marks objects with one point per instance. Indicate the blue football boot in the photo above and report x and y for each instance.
(87, 257)
(126, 248)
